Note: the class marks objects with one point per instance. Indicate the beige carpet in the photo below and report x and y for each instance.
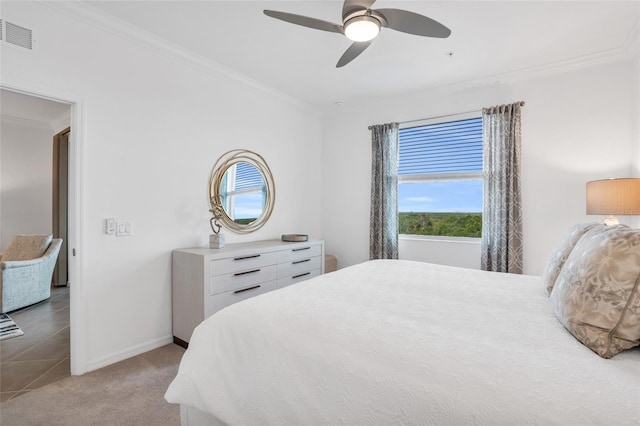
(130, 392)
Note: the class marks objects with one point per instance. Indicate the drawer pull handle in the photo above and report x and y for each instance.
(300, 261)
(301, 275)
(300, 249)
(237, 274)
(246, 257)
(246, 289)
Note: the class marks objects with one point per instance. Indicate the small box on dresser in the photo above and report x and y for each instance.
(207, 280)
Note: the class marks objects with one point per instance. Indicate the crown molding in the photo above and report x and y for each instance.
(629, 50)
(26, 122)
(623, 53)
(84, 12)
(632, 43)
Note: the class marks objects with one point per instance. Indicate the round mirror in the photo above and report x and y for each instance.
(241, 191)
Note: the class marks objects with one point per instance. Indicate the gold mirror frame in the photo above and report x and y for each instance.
(221, 166)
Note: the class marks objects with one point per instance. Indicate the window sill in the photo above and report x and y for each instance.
(440, 239)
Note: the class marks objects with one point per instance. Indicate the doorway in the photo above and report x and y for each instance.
(21, 103)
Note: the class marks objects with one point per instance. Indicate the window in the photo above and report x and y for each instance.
(440, 179)
(243, 193)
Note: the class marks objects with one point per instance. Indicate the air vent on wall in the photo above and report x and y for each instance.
(16, 35)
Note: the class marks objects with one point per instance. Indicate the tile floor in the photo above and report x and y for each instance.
(41, 356)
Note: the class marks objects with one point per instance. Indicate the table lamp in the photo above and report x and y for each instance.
(612, 197)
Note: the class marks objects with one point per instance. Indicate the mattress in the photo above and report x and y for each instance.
(399, 342)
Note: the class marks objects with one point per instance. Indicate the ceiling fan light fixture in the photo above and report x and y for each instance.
(361, 25)
(362, 28)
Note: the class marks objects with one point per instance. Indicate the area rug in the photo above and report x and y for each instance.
(8, 327)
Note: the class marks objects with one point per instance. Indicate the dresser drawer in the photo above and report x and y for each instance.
(222, 300)
(229, 282)
(283, 282)
(205, 280)
(300, 252)
(296, 267)
(242, 263)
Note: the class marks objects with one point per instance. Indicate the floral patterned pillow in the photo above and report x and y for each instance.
(597, 294)
(559, 257)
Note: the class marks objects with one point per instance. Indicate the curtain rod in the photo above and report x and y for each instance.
(441, 116)
(444, 116)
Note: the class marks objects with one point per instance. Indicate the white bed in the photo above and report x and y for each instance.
(399, 342)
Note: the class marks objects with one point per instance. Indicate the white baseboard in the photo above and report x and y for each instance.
(128, 353)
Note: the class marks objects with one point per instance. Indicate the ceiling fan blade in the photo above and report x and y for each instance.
(305, 21)
(352, 52)
(413, 23)
(351, 6)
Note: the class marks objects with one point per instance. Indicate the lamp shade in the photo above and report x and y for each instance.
(614, 196)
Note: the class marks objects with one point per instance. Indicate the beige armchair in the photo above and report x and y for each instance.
(27, 267)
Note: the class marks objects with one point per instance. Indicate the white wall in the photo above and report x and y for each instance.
(575, 127)
(25, 178)
(636, 112)
(152, 129)
(636, 125)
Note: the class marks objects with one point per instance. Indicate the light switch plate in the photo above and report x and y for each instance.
(124, 229)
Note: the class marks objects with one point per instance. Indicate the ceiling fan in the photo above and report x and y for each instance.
(361, 24)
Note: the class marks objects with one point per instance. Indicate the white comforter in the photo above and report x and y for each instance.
(403, 343)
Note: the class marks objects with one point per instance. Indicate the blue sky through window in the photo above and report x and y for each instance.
(441, 196)
(249, 206)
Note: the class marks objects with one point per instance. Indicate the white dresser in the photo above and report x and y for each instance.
(207, 280)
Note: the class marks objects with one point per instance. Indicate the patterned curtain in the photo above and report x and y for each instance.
(383, 231)
(502, 212)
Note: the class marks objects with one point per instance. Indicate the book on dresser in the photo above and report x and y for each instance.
(207, 280)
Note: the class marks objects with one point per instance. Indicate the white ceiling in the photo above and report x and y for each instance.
(488, 38)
